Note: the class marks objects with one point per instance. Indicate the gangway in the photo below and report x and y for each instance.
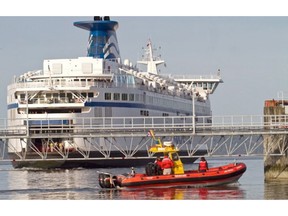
(223, 136)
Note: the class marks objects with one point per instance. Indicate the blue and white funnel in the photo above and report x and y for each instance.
(102, 41)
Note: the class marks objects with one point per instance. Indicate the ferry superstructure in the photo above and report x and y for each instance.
(100, 85)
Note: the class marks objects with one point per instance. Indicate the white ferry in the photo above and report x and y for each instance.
(97, 86)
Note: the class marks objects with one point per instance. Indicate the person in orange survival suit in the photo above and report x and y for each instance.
(167, 165)
(203, 165)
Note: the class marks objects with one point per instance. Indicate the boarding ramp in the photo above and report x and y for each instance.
(218, 136)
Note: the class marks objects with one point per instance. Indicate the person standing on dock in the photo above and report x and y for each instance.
(167, 165)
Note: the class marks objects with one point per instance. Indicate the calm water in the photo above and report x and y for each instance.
(82, 184)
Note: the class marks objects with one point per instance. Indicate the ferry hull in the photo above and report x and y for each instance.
(95, 160)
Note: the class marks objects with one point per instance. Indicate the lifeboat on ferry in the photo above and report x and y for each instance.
(153, 178)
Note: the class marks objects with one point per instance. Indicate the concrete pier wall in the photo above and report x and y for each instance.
(275, 165)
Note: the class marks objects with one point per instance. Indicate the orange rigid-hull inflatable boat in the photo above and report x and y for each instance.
(153, 177)
(226, 174)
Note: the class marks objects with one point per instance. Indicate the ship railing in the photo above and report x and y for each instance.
(208, 124)
(47, 84)
(60, 83)
(196, 77)
(57, 100)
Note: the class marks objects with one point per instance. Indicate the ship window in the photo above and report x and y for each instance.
(84, 94)
(69, 96)
(205, 86)
(137, 97)
(144, 113)
(107, 96)
(209, 85)
(175, 157)
(116, 96)
(131, 97)
(124, 79)
(124, 97)
(90, 94)
(62, 95)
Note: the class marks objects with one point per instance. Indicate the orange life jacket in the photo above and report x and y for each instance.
(203, 165)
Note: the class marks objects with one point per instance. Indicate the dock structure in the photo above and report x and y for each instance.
(223, 136)
(276, 163)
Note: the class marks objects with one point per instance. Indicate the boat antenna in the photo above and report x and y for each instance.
(150, 60)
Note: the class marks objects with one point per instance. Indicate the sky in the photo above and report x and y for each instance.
(250, 51)
(246, 40)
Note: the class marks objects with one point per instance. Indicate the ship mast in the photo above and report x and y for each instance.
(150, 60)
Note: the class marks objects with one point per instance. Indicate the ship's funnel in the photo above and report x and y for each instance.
(102, 42)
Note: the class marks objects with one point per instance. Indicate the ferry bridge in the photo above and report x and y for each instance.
(219, 136)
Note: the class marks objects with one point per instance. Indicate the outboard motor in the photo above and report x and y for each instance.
(106, 180)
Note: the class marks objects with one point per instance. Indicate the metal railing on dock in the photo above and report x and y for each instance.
(216, 135)
(201, 124)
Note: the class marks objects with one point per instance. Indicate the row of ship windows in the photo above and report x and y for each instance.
(151, 100)
(138, 97)
(123, 97)
(146, 113)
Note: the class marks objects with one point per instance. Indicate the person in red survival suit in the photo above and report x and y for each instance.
(167, 165)
(203, 165)
(158, 161)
